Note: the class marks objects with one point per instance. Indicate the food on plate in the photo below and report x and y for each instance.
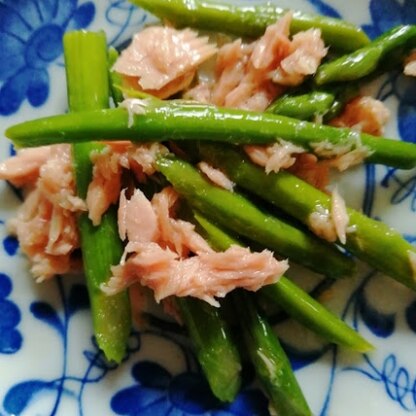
(170, 189)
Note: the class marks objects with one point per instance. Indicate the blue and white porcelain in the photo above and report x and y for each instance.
(49, 363)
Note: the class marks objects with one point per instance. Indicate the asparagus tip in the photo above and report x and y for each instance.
(364, 346)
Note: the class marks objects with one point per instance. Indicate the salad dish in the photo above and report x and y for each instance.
(217, 221)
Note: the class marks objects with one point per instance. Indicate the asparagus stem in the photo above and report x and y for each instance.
(161, 120)
(270, 361)
(307, 105)
(314, 316)
(215, 349)
(87, 82)
(251, 20)
(343, 94)
(217, 238)
(235, 212)
(304, 106)
(370, 240)
(366, 60)
(212, 339)
(296, 302)
(114, 77)
(209, 332)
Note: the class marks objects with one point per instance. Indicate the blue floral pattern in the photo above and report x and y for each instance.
(123, 15)
(10, 336)
(10, 243)
(395, 379)
(324, 8)
(386, 14)
(157, 392)
(20, 397)
(31, 37)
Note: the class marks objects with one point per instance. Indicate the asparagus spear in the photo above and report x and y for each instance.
(343, 94)
(213, 341)
(163, 120)
(304, 106)
(370, 240)
(327, 103)
(87, 82)
(364, 61)
(114, 77)
(297, 303)
(208, 331)
(251, 20)
(314, 316)
(234, 212)
(216, 352)
(270, 361)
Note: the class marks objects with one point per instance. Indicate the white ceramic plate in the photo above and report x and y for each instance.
(49, 364)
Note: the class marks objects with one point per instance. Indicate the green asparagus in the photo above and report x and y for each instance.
(165, 120)
(114, 77)
(251, 20)
(366, 60)
(369, 240)
(304, 106)
(87, 82)
(314, 316)
(216, 352)
(297, 303)
(270, 361)
(235, 212)
(343, 94)
(307, 103)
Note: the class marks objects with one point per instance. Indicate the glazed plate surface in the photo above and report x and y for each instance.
(49, 363)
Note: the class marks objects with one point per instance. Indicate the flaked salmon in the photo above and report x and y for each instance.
(365, 114)
(176, 260)
(306, 52)
(216, 176)
(56, 180)
(339, 215)
(410, 64)
(176, 234)
(331, 224)
(311, 170)
(105, 187)
(137, 220)
(206, 276)
(23, 168)
(45, 224)
(274, 157)
(163, 60)
(47, 234)
(251, 76)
